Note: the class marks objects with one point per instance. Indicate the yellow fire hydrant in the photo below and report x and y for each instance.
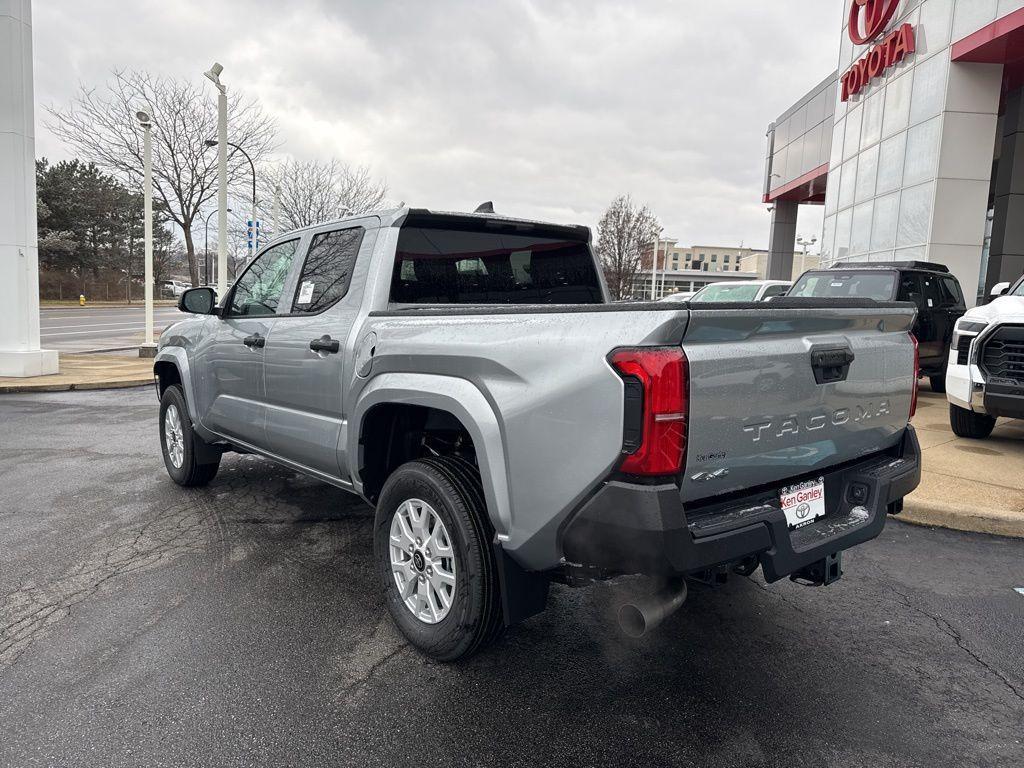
(81, 299)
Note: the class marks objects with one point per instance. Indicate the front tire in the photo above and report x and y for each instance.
(976, 426)
(938, 383)
(432, 542)
(180, 444)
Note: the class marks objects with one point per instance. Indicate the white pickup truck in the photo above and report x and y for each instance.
(985, 374)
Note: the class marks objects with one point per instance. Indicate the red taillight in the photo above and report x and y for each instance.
(663, 373)
(917, 373)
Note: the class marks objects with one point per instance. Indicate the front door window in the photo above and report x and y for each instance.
(258, 291)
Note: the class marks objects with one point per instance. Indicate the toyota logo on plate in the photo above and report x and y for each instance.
(876, 14)
(803, 510)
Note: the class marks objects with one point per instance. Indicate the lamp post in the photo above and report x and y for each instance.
(206, 250)
(801, 241)
(654, 270)
(148, 349)
(213, 74)
(252, 165)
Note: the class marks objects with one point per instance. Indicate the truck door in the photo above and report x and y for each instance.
(953, 309)
(911, 289)
(232, 403)
(309, 349)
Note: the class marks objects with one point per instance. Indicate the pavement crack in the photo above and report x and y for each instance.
(950, 631)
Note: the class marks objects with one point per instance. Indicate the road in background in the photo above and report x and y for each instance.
(88, 329)
(243, 624)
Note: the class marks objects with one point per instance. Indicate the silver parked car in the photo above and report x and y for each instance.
(467, 376)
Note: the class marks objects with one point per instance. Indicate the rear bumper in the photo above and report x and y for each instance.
(629, 528)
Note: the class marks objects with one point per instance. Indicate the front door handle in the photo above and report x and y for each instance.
(255, 341)
(325, 344)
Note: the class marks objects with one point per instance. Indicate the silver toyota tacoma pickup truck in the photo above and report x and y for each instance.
(467, 375)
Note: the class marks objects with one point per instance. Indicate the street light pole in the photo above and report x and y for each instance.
(148, 349)
(654, 270)
(804, 243)
(213, 74)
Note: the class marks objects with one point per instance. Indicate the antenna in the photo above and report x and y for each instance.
(487, 207)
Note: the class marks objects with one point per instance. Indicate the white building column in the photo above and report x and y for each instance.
(20, 354)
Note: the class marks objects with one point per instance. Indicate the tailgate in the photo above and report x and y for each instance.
(765, 405)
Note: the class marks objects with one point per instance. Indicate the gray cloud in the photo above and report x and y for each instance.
(549, 108)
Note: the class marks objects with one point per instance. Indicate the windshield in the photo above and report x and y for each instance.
(726, 292)
(876, 284)
(1018, 290)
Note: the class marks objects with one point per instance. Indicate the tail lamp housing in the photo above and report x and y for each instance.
(917, 375)
(657, 398)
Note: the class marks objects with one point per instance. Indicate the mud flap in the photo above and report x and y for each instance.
(523, 593)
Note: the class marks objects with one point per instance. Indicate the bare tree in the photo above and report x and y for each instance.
(624, 235)
(311, 192)
(103, 128)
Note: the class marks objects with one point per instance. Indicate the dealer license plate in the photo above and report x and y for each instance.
(803, 503)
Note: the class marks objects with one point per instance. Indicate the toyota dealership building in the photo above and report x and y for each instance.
(915, 145)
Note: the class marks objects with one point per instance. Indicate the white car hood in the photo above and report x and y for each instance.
(1005, 309)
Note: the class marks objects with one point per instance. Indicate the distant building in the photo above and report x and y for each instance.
(690, 268)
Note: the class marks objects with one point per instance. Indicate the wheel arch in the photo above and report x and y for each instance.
(461, 401)
(171, 367)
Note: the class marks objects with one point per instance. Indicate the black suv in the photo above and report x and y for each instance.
(937, 294)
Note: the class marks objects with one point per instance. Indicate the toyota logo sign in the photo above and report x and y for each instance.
(872, 16)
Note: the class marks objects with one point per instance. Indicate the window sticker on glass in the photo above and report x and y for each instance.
(306, 293)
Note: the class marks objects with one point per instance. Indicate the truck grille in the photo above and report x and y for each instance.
(963, 348)
(1003, 353)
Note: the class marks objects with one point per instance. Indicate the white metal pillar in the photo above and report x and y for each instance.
(222, 191)
(148, 349)
(20, 354)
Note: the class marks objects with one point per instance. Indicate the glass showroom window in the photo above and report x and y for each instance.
(929, 89)
(883, 231)
(897, 105)
(852, 143)
(867, 169)
(915, 211)
(860, 237)
(890, 163)
(847, 184)
(922, 152)
(871, 130)
(842, 246)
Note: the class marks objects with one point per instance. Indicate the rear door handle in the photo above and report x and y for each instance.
(325, 344)
(255, 341)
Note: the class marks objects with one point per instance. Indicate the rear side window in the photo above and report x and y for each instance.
(449, 266)
(878, 285)
(327, 271)
(952, 296)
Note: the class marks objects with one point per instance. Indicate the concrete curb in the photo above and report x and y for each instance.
(937, 515)
(13, 389)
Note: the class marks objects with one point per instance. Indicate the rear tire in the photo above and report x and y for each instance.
(976, 426)
(179, 443)
(938, 383)
(444, 493)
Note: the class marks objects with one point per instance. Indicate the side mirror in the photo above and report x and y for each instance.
(999, 289)
(198, 301)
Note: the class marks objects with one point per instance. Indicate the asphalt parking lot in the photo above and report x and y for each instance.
(143, 624)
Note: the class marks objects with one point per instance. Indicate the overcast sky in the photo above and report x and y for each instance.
(550, 107)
